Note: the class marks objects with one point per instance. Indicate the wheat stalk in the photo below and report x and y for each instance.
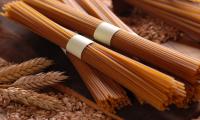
(37, 81)
(14, 72)
(29, 97)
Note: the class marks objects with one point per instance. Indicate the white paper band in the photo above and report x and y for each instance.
(77, 44)
(104, 32)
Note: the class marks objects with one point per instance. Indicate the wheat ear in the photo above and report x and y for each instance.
(14, 72)
(37, 81)
(3, 63)
(29, 97)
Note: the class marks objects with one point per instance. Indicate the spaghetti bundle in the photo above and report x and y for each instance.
(74, 4)
(183, 14)
(151, 86)
(172, 61)
(99, 10)
(107, 93)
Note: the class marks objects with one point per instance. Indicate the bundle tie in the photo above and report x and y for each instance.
(77, 44)
(104, 32)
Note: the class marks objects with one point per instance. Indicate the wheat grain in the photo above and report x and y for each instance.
(71, 92)
(184, 14)
(14, 72)
(29, 97)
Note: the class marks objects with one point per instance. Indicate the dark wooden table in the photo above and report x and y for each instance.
(17, 44)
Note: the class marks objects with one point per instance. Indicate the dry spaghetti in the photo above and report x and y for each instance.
(170, 60)
(99, 10)
(151, 86)
(107, 93)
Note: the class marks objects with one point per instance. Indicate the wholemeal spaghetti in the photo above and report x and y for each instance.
(99, 10)
(151, 86)
(74, 4)
(192, 90)
(107, 93)
(183, 66)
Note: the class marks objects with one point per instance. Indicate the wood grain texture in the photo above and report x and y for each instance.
(18, 44)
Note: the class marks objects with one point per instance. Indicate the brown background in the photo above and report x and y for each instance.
(17, 44)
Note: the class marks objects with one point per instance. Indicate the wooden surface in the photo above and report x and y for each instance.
(17, 44)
